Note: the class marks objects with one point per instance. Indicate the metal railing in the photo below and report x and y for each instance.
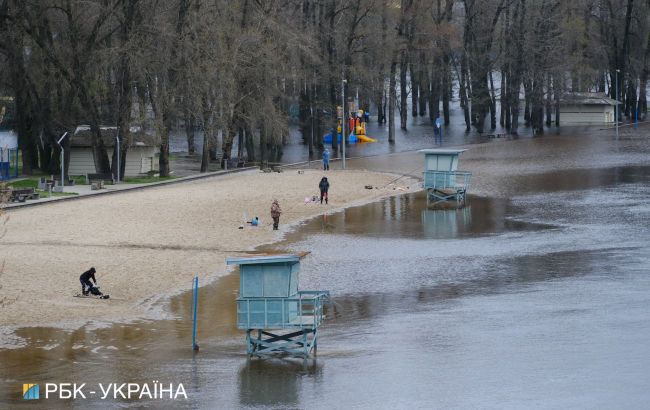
(456, 180)
(305, 309)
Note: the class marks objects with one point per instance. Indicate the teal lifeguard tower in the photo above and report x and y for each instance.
(276, 315)
(442, 180)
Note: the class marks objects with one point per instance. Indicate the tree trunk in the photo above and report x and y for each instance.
(392, 97)
(414, 90)
(446, 87)
(527, 105)
(403, 113)
(424, 85)
(549, 96)
(493, 104)
(189, 131)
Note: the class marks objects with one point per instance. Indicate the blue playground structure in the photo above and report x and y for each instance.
(8, 163)
(276, 315)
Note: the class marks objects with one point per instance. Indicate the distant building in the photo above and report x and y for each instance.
(140, 157)
(8, 139)
(586, 109)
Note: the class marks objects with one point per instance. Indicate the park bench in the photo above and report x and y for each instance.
(68, 181)
(97, 180)
(21, 195)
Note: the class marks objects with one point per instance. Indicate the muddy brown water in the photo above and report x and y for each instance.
(540, 300)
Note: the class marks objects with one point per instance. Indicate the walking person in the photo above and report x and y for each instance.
(326, 160)
(276, 211)
(324, 186)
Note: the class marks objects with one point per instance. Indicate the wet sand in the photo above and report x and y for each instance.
(149, 244)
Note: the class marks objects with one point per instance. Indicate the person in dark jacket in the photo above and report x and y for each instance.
(324, 186)
(85, 280)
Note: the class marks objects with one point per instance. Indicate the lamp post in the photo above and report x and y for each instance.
(616, 119)
(343, 119)
(119, 154)
(62, 160)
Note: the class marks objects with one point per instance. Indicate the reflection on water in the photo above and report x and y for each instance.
(275, 382)
(537, 301)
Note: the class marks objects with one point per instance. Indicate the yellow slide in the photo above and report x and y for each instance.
(364, 138)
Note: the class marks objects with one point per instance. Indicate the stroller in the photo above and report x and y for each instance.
(94, 291)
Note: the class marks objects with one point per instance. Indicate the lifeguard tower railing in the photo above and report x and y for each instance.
(8, 163)
(446, 185)
(304, 310)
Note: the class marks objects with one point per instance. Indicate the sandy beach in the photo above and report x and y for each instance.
(150, 243)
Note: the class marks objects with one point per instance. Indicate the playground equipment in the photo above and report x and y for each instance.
(8, 163)
(442, 181)
(276, 315)
(356, 129)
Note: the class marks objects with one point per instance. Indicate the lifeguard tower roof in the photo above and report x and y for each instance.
(440, 151)
(266, 258)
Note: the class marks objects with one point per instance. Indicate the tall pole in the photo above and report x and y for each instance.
(616, 103)
(62, 160)
(195, 300)
(343, 120)
(62, 169)
(119, 154)
(311, 142)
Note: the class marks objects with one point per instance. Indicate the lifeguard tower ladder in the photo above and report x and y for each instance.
(276, 315)
(442, 181)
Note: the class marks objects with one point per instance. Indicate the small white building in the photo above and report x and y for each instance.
(141, 157)
(587, 109)
(8, 141)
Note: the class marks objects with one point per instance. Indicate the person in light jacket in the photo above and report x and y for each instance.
(276, 211)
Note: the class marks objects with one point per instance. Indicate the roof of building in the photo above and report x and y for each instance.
(437, 151)
(266, 258)
(82, 137)
(586, 99)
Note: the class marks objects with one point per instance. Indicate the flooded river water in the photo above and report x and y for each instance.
(539, 300)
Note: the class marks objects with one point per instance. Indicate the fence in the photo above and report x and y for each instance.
(8, 163)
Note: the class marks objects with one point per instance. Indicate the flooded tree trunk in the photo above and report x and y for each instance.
(643, 99)
(493, 104)
(414, 90)
(549, 96)
(463, 92)
(446, 87)
(403, 113)
(434, 94)
(392, 97)
(380, 108)
(557, 87)
(503, 101)
(527, 98)
(631, 99)
(424, 85)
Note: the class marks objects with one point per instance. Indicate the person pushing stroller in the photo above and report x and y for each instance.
(85, 281)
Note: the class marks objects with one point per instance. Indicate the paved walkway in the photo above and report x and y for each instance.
(84, 191)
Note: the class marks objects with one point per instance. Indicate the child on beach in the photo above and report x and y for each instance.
(324, 186)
